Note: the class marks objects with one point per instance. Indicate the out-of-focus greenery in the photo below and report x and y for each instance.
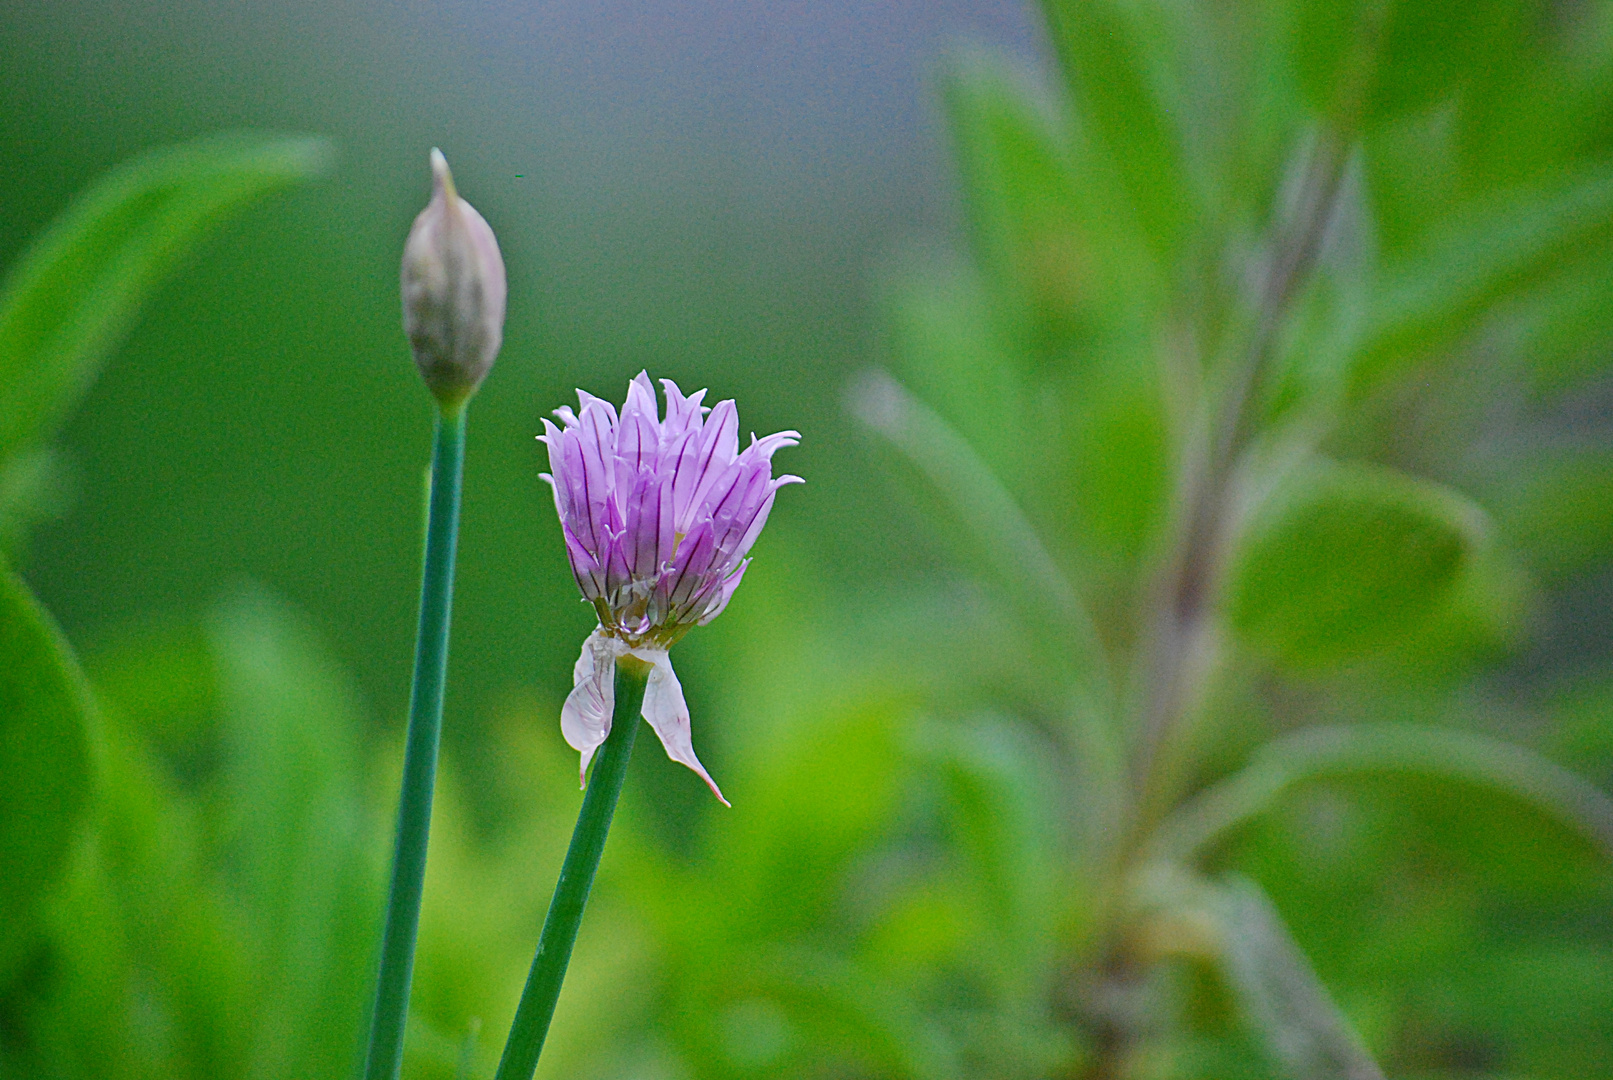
(1258, 728)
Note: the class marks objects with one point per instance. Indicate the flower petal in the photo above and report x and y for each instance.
(585, 717)
(666, 712)
(723, 593)
(649, 525)
(768, 446)
(719, 445)
(683, 414)
(638, 437)
(690, 567)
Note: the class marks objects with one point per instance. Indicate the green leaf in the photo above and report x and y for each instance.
(1006, 542)
(1488, 252)
(36, 485)
(1323, 36)
(1346, 560)
(46, 758)
(77, 289)
(1558, 511)
(1058, 262)
(1281, 993)
(1314, 754)
(296, 838)
(1429, 48)
(1106, 49)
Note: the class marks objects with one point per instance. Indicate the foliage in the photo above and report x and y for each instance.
(1239, 742)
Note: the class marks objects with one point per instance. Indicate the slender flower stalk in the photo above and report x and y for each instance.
(420, 754)
(453, 313)
(542, 990)
(659, 515)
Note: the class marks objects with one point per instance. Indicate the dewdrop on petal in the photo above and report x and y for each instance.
(658, 517)
(453, 292)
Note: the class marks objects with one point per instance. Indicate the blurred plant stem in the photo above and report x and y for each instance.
(385, 1055)
(1180, 656)
(532, 1016)
(1182, 648)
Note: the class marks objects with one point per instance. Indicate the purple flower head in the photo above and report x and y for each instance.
(658, 516)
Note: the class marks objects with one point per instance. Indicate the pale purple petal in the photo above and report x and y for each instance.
(553, 439)
(641, 398)
(690, 568)
(638, 436)
(683, 414)
(597, 430)
(589, 485)
(719, 444)
(684, 457)
(738, 508)
(767, 447)
(617, 572)
(586, 399)
(585, 568)
(649, 525)
(753, 529)
(666, 712)
(724, 593)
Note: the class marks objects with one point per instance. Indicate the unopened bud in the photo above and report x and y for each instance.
(453, 292)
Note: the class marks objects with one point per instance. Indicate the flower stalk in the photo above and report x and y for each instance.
(559, 934)
(453, 313)
(385, 1055)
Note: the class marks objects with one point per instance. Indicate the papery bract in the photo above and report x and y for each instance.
(659, 516)
(453, 291)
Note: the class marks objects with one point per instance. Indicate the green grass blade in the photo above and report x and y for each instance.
(1318, 753)
(77, 289)
(1282, 994)
(46, 758)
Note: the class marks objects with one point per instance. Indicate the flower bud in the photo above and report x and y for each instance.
(453, 292)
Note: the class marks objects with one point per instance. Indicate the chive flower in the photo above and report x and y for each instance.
(659, 516)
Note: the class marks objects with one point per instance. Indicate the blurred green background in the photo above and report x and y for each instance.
(702, 191)
(1192, 660)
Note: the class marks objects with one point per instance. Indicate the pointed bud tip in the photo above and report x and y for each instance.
(442, 178)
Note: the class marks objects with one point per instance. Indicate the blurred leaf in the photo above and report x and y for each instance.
(77, 289)
(147, 977)
(1565, 328)
(1309, 755)
(1001, 805)
(1431, 47)
(1489, 251)
(1559, 511)
(954, 355)
(1109, 56)
(46, 758)
(296, 843)
(1057, 267)
(1325, 40)
(1282, 994)
(1008, 544)
(1347, 559)
(35, 486)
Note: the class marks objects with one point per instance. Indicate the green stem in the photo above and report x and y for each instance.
(385, 1055)
(532, 1016)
